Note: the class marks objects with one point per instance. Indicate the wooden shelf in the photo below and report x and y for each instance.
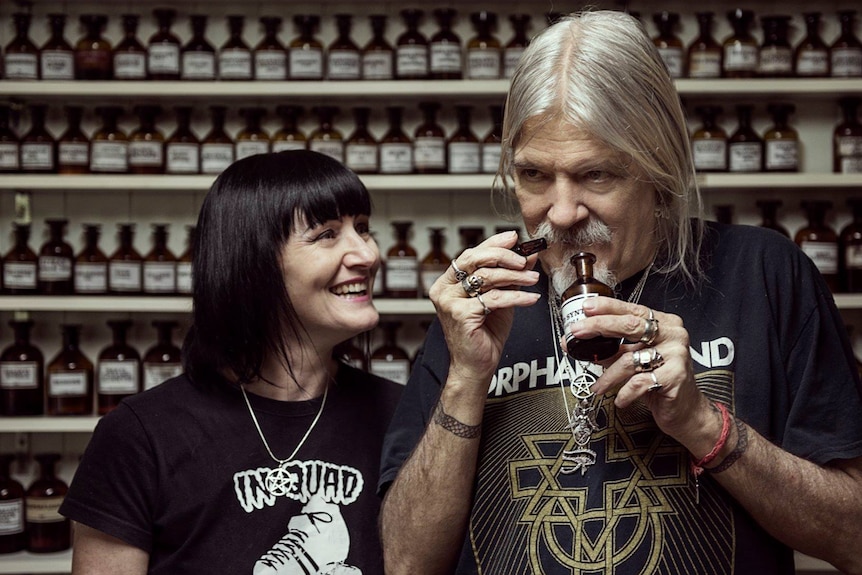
(48, 424)
(25, 562)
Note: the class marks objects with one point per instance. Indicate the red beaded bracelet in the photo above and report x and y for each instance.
(697, 466)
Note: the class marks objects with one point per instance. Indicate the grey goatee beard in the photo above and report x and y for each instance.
(574, 240)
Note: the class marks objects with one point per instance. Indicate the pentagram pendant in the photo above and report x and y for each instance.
(582, 423)
(279, 481)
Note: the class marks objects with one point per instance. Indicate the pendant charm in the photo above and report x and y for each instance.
(580, 459)
(279, 481)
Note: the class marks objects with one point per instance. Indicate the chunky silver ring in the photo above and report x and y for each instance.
(651, 314)
(485, 308)
(460, 274)
(646, 359)
(655, 384)
(650, 331)
(472, 285)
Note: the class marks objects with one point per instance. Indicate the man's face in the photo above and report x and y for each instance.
(583, 197)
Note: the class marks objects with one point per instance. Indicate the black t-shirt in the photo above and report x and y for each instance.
(765, 339)
(180, 472)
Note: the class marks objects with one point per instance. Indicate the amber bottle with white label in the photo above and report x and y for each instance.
(91, 264)
(781, 141)
(343, 60)
(73, 147)
(125, 265)
(21, 265)
(444, 49)
(289, 136)
(21, 373)
(572, 310)
(390, 360)
(69, 377)
(109, 146)
(163, 360)
(93, 54)
(146, 143)
(378, 55)
(740, 49)
(669, 45)
(270, 55)
(183, 149)
(130, 56)
(361, 153)
(119, 369)
(198, 56)
(21, 56)
(411, 49)
(163, 49)
(234, 57)
(217, 148)
(160, 265)
(47, 530)
(402, 265)
(13, 534)
(709, 142)
(819, 241)
(56, 58)
(56, 261)
(306, 51)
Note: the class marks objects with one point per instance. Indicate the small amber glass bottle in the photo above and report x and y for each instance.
(390, 360)
(163, 360)
(163, 49)
(360, 150)
(429, 142)
(669, 45)
(515, 47)
(47, 530)
(819, 241)
(769, 216)
(396, 149)
(342, 57)
(21, 57)
(378, 54)
(125, 264)
(402, 265)
(13, 533)
(444, 49)
(326, 139)
(234, 57)
(93, 54)
(306, 51)
(704, 53)
(709, 142)
(434, 264)
(850, 250)
(73, 147)
(198, 56)
(463, 149)
(847, 139)
(38, 148)
(109, 146)
(21, 265)
(270, 55)
(91, 264)
(217, 148)
(57, 58)
(572, 310)
(846, 51)
(744, 147)
(351, 354)
(146, 143)
(252, 139)
(21, 370)
(776, 54)
(781, 142)
(491, 145)
(484, 52)
(183, 149)
(69, 379)
(184, 263)
(56, 261)
(10, 145)
(411, 48)
(160, 265)
(289, 137)
(811, 58)
(740, 48)
(119, 369)
(130, 55)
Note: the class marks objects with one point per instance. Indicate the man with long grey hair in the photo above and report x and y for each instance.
(724, 433)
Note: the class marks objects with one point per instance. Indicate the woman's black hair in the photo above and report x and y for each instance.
(241, 307)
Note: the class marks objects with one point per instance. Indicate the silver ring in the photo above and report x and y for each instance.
(485, 308)
(472, 285)
(655, 384)
(650, 331)
(646, 359)
(460, 274)
(651, 314)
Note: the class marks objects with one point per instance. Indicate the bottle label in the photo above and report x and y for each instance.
(483, 64)
(184, 277)
(572, 310)
(306, 64)
(361, 157)
(782, 155)
(107, 156)
(823, 254)
(464, 157)
(234, 65)
(412, 60)
(21, 67)
(705, 65)
(246, 148)
(429, 152)
(163, 59)
(183, 158)
(156, 373)
(37, 156)
(709, 154)
(511, 57)
(331, 148)
(377, 65)
(851, 165)
(270, 65)
(343, 65)
(853, 257)
(396, 158)
(11, 517)
(58, 65)
(67, 384)
(491, 153)
(118, 377)
(160, 277)
(776, 60)
(124, 276)
(198, 66)
(740, 58)
(144, 153)
(44, 510)
(402, 273)
(445, 57)
(19, 375)
(846, 62)
(397, 370)
(19, 275)
(673, 59)
(429, 275)
(746, 157)
(55, 268)
(216, 157)
(91, 277)
(284, 145)
(130, 66)
(73, 153)
(93, 61)
(849, 145)
(9, 156)
(813, 63)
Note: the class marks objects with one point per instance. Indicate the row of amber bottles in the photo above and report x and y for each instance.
(741, 55)
(147, 151)
(387, 359)
(779, 148)
(71, 384)
(57, 270)
(166, 57)
(30, 518)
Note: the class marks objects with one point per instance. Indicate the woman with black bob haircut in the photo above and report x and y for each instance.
(263, 456)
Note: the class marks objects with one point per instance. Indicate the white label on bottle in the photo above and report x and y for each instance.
(846, 62)
(745, 157)
(37, 156)
(183, 158)
(91, 277)
(58, 65)
(21, 66)
(124, 276)
(402, 273)
(73, 153)
(572, 310)
(306, 64)
(160, 277)
(464, 157)
(709, 154)
(429, 152)
(705, 65)
(377, 65)
(331, 148)
(491, 153)
(108, 156)
(411, 60)
(67, 383)
(270, 65)
(740, 58)
(216, 157)
(285, 145)
(55, 268)
(163, 59)
(396, 158)
(849, 145)
(445, 57)
(143, 153)
(483, 64)
(234, 64)
(9, 156)
(813, 63)
(118, 377)
(823, 254)
(782, 154)
(851, 165)
(11, 516)
(184, 277)
(44, 510)
(19, 275)
(19, 375)
(429, 275)
(130, 66)
(361, 157)
(246, 148)
(776, 60)
(511, 57)
(672, 58)
(853, 257)
(156, 373)
(198, 66)
(397, 370)
(343, 65)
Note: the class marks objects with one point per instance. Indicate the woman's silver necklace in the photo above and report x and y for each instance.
(278, 480)
(582, 417)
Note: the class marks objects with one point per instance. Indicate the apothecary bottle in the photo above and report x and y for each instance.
(69, 377)
(38, 148)
(91, 264)
(146, 143)
(270, 55)
(234, 57)
(850, 250)
(444, 48)
(847, 139)
(47, 530)
(470, 236)
(429, 142)
(491, 146)
(402, 265)
(669, 45)
(306, 51)
(411, 49)
(464, 151)
(776, 54)
(396, 148)
(125, 266)
(57, 58)
(343, 60)
(13, 534)
(819, 241)
(572, 311)
(163, 50)
(93, 54)
(811, 59)
(184, 263)
(289, 136)
(846, 51)
(435, 262)
(484, 52)
(183, 149)
(130, 56)
(217, 148)
(252, 139)
(769, 216)
(119, 369)
(160, 265)
(350, 353)
(515, 47)
(163, 360)
(709, 142)
(780, 141)
(73, 147)
(740, 49)
(21, 265)
(704, 53)
(21, 56)
(389, 360)
(744, 147)
(21, 372)
(56, 261)
(198, 56)
(10, 145)
(378, 55)
(360, 150)
(325, 139)
(109, 146)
